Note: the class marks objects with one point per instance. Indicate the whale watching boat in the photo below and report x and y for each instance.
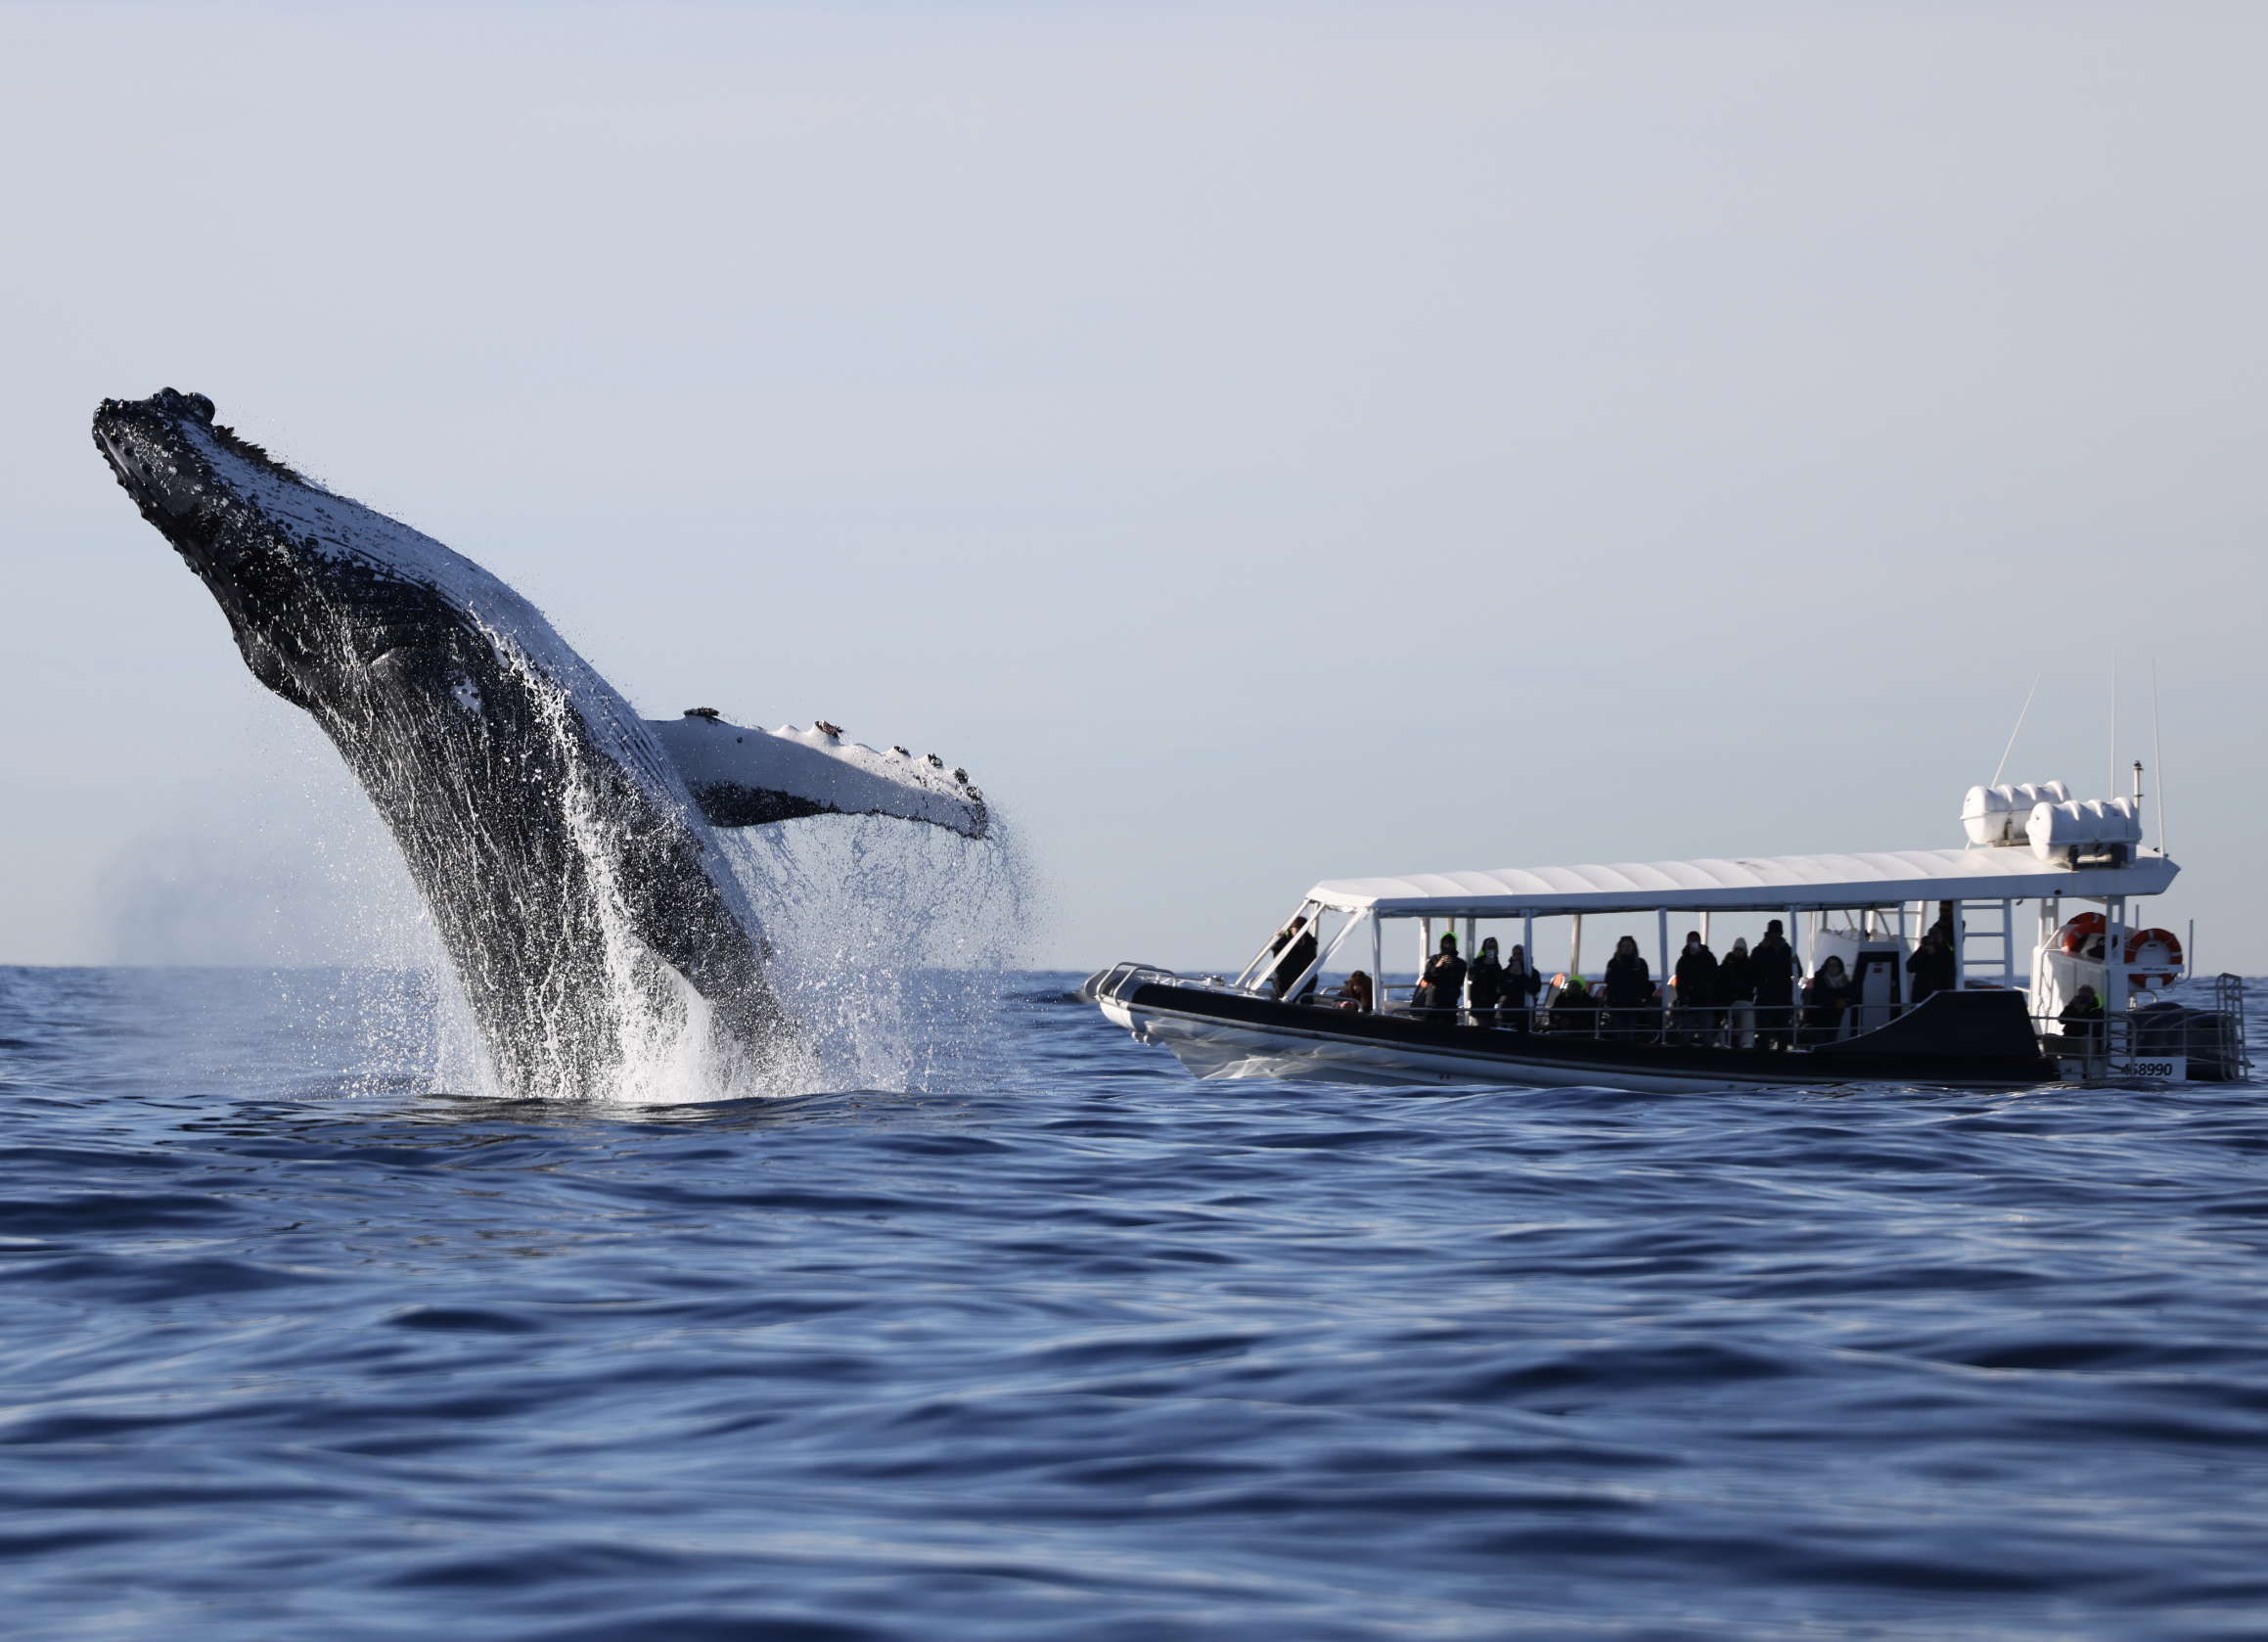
(1965, 1009)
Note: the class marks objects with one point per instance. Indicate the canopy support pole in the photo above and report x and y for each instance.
(2114, 959)
(1268, 948)
(1575, 948)
(1323, 954)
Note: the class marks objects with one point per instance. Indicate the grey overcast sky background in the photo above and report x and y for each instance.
(1260, 442)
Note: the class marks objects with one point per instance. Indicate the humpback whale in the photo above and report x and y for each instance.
(564, 847)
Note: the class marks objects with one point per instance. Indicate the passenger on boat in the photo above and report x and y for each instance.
(1696, 980)
(1930, 966)
(1629, 987)
(1736, 988)
(1442, 987)
(1294, 964)
(1828, 997)
(1356, 995)
(1774, 966)
(1521, 983)
(2082, 1020)
(1485, 984)
(1574, 1007)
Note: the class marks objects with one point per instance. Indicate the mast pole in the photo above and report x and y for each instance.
(2112, 789)
(2158, 755)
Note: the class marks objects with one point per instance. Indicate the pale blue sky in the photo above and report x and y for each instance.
(1260, 442)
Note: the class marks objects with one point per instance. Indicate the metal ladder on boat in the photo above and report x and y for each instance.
(2001, 969)
(2229, 1018)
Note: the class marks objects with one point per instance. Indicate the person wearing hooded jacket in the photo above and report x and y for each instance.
(1773, 964)
(1695, 979)
(1629, 987)
(1485, 983)
(1521, 983)
(1574, 1007)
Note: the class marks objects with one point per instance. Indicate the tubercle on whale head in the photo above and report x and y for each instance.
(161, 451)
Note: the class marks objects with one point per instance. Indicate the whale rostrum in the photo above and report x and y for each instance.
(563, 845)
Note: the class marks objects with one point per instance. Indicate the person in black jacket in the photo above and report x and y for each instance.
(1301, 942)
(1927, 966)
(1697, 989)
(2082, 1020)
(1441, 988)
(1737, 993)
(1828, 995)
(1485, 983)
(1773, 967)
(1521, 983)
(1574, 1007)
(1629, 987)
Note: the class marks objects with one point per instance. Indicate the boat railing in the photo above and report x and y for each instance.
(1735, 1025)
(2209, 1038)
(1115, 983)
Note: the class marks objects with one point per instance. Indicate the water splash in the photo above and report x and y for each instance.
(875, 930)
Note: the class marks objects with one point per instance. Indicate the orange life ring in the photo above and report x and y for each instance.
(2083, 935)
(2157, 971)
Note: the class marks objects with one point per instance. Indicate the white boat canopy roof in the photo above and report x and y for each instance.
(1751, 884)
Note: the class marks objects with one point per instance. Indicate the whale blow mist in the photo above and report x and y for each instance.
(604, 943)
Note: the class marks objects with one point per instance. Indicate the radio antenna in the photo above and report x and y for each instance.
(2158, 751)
(2013, 734)
(2112, 789)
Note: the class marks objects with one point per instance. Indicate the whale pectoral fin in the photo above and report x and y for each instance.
(745, 776)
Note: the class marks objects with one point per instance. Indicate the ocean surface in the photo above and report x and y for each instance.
(297, 1342)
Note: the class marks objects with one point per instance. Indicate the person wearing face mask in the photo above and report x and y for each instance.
(1442, 987)
(1697, 989)
(1737, 993)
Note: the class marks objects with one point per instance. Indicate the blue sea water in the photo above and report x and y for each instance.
(1066, 1344)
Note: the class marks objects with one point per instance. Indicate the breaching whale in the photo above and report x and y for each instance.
(561, 844)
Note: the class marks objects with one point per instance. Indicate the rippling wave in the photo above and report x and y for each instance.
(300, 1343)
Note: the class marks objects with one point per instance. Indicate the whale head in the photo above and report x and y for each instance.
(312, 584)
(169, 454)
